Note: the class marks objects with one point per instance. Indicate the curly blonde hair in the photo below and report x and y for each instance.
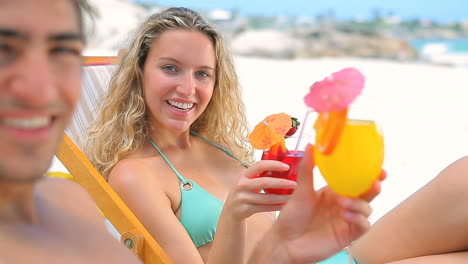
(122, 121)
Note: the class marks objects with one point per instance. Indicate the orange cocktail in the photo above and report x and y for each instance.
(356, 160)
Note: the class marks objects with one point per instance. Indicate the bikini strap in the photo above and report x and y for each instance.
(227, 151)
(181, 178)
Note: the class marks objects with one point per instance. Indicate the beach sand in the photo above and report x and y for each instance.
(421, 108)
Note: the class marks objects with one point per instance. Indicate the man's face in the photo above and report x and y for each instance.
(40, 70)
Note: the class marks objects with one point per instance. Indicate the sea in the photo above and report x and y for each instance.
(443, 51)
(448, 45)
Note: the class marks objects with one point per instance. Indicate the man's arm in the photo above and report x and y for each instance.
(313, 225)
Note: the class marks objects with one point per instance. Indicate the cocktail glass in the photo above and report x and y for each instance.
(356, 161)
(292, 157)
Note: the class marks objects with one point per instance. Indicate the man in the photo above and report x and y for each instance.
(43, 220)
(55, 221)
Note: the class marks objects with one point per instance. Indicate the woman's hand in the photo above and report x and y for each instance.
(245, 199)
(314, 225)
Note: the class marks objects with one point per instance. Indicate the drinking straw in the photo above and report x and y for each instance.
(309, 110)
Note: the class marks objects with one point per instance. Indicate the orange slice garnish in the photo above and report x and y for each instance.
(328, 127)
(278, 151)
(270, 131)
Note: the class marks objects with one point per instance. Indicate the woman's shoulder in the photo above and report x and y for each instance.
(128, 165)
(137, 173)
(130, 170)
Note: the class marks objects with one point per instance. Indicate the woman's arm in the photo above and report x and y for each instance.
(243, 201)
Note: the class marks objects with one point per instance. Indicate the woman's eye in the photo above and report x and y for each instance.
(203, 74)
(169, 68)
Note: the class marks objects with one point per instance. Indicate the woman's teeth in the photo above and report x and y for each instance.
(180, 105)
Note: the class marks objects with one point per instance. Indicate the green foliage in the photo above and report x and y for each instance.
(261, 22)
(360, 28)
(147, 5)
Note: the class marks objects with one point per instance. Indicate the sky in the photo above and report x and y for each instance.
(439, 10)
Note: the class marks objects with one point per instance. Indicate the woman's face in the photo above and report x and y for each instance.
(178, 79)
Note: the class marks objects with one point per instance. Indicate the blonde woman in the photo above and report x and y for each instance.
(170, 138)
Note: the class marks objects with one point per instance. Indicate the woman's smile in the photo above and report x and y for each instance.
(181, 106)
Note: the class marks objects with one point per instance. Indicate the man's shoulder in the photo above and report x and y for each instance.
(30, 243)
(65, 209)
(34, 244)
(67, 228)
(63, 197)
(54, 185)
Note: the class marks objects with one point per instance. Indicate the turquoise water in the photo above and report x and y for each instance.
(451, 45)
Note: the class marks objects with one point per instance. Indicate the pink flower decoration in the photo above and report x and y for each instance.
(335, 92)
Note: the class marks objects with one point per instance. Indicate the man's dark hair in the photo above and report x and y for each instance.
(83, 7)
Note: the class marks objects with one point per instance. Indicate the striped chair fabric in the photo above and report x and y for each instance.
(94, 83)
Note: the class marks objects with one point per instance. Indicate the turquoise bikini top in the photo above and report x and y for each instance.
(200, 210)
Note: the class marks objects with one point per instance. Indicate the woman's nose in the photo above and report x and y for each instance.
(187, 85)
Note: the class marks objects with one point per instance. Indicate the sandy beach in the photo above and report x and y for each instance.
(421, 108)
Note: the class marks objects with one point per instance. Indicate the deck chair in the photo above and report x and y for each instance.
(96, 75)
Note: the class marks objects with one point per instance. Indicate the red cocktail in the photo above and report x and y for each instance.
(292, 158)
